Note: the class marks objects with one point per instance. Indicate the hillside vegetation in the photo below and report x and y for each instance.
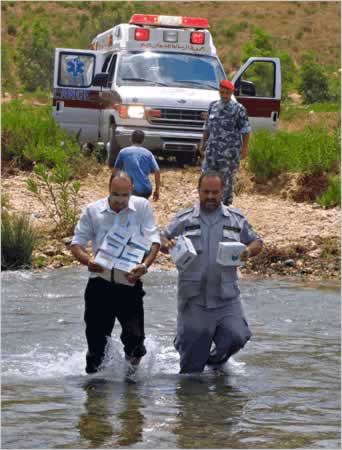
(291, 30)
(300, 163)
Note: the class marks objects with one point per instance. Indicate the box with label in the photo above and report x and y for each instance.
(228, 253)
(104, 260)
(121, 268)
(183, 253)
(111, 247)
(119, 234)
(132, 254)
(141, 242)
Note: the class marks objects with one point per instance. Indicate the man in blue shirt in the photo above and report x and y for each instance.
(139, 162)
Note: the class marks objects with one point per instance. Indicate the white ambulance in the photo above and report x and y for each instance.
(158, 74)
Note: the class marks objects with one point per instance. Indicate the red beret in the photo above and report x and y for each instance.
(227, 84)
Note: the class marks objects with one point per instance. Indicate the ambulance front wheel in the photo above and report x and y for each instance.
(112, 147)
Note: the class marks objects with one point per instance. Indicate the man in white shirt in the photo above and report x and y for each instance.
(106, 300)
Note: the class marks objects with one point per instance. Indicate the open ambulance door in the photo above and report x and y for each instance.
(76, 102)
(258, 88)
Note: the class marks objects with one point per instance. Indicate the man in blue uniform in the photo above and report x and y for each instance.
(209, 307)
(225, 138)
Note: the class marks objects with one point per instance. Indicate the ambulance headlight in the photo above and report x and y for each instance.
(135, 112)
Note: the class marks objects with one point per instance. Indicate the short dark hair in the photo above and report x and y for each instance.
(138, 136)
(211, 174)
(117, 173)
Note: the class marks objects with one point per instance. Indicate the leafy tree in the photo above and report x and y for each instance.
(36, 58)
(262, 45)
(313, 82)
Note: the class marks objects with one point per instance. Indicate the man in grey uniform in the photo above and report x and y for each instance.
(225, 138)
(209, 307)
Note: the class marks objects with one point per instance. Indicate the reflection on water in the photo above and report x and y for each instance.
(281, 391)
(97, 424)
(208, 410)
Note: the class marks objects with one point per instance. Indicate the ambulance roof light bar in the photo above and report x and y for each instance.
(169, 21)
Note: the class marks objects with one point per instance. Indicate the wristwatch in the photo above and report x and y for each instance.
(145, 267)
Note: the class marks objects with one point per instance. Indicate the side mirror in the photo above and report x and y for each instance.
(247, 88)
(101, 80)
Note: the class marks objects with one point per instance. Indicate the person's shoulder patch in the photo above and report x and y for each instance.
(185, 211)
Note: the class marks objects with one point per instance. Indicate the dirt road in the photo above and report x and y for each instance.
(301, 239)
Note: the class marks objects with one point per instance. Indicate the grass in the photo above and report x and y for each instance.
(332, 196)
(18, 240)
(289, 111)
(30, 135)
(311, 151)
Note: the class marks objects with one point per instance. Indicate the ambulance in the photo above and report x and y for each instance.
(157, 74)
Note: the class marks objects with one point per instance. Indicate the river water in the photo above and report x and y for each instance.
(281, 391)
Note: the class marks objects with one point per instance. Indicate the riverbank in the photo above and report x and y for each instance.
(301, 240)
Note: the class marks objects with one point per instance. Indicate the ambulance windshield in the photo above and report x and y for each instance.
(169, 69)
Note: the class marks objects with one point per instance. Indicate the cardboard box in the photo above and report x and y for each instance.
(111, 247)
(228, 253)
(183, 253)
(121, 268)
(119, 234)
(132, 254)
(104, 260)
(141, 242)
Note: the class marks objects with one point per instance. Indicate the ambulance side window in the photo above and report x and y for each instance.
(111, 70)
(76, 70)
(258, 80)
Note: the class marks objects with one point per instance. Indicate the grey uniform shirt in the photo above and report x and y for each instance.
(204, 281)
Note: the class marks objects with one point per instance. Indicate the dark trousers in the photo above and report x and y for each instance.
(144, 195)
(104, 302)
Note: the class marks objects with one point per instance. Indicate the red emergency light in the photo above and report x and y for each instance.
(197, 37)
(169, 21)
(142, 34)
(142, 19)
(195, 22)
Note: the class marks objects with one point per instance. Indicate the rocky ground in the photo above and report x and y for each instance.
(301, 239)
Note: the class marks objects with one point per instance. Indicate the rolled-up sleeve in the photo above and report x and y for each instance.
(243, 121)
(247, 234)
(153, 164)
(84, 230)
(148, 226)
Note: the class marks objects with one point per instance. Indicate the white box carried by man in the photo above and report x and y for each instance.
(228, 253)
(122, 251)
(183, 253)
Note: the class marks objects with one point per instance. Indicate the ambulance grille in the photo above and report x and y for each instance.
(187, 118)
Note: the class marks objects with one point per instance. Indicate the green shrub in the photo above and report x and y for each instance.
(313, 82)
(12, 29)
(30, 134)
(35, 57)
(261, 44)
(8, 81)
(332, 196)
(58, 193)
(18, 240)
(311, 151)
